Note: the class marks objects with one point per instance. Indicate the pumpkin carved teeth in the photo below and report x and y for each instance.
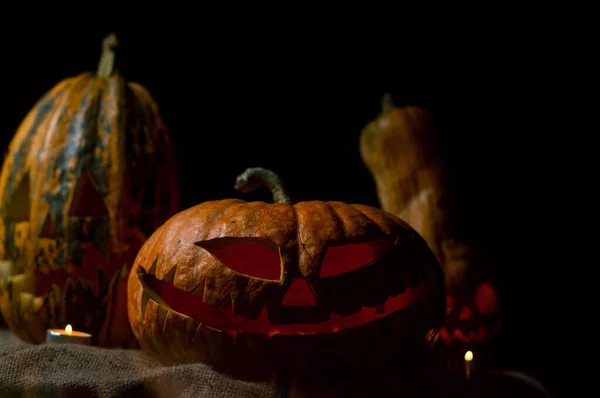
(170, 276)
(166, 297)
(198, 290)
(477, 335)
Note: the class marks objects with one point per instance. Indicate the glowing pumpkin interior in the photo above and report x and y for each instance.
(472, 318)
(297, 305)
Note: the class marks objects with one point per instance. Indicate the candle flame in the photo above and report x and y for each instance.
(69, 329)
(468, 356)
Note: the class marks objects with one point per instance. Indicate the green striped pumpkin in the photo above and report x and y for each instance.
(88, 175)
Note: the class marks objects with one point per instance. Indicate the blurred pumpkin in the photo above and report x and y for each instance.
(233, 283)
(88, 174)
(472, 300)
(400, 150)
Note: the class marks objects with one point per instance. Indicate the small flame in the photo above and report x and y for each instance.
(468, 356)
(69, 329)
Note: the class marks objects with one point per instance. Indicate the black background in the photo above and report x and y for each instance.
(296, 104)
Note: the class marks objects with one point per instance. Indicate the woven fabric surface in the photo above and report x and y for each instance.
(28, 370)
(39, 371)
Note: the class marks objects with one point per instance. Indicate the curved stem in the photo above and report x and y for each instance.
(387, 103)
(257, 177)
(107, 60)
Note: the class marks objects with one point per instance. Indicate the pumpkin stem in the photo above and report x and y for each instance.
(387, 103)
(107, 59)
(256, 177)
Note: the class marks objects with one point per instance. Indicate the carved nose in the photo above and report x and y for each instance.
(299, 294)
(465, 313)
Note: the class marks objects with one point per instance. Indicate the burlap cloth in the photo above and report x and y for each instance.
(80, 371)
(73, 370)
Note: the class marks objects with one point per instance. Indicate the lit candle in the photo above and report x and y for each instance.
(67, 336)
(468, 359)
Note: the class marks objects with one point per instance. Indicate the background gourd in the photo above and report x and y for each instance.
(403, 154)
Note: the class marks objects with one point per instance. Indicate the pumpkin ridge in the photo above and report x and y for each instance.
(215, 218)
(109, 160)
(353, 222)
(387, 222)
(148, 107)
(40, 154)
(24, 140)
(376, 222)
(145, 109)
(338, 219)
(74, 157)
(50, 123)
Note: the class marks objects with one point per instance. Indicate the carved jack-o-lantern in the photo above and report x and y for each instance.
(226, 281)
(87, 176)
(471, 316)
(472, 302)
(401, 151)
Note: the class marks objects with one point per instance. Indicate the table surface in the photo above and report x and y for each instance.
(82, 371)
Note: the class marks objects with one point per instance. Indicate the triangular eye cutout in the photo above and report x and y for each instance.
(20, 202)
(255, 257)
(87, 201)
(49, 228)
(340, 259)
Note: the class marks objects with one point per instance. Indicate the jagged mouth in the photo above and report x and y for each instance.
(474, 335)
(191, 305)
(64, 291)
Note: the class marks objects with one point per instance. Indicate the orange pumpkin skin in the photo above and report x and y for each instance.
(400, 150)
(88, 175)
(237, 283)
